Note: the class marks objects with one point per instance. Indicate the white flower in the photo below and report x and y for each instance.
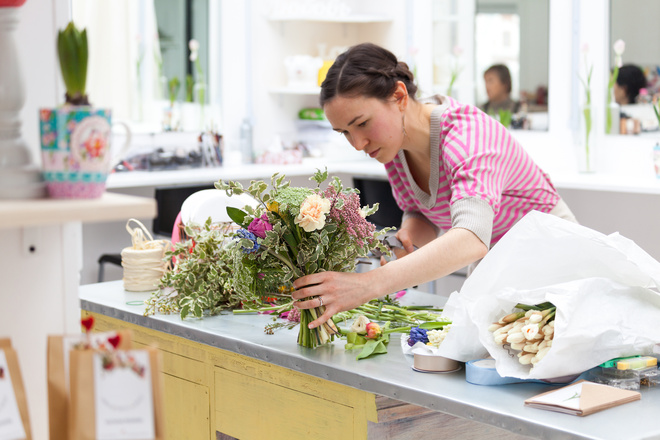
(312, 213)
(458, 51)
(526, 359)
(619, 47)
(530, 331)
(585, 48)
(437, 336)
(515, 338)
(193, 45)
(535, 317)
(359, 326)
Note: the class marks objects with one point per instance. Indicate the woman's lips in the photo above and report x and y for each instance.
(374, 153)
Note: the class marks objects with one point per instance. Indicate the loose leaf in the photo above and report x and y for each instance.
(237, 215)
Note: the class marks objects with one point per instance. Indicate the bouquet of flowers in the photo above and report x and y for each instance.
(297, 231)
(529, 332)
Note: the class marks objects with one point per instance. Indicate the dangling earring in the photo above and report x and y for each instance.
(403, 124)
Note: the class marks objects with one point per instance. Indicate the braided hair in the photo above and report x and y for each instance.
(366, 70)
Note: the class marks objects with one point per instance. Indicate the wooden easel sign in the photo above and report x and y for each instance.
(11, 424)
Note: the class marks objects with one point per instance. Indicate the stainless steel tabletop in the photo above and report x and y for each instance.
(390, 375)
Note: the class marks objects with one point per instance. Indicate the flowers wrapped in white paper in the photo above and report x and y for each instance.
(601, 286)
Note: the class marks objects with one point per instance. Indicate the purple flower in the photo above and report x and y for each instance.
(260, 225)
(242, 233)
(417, 335)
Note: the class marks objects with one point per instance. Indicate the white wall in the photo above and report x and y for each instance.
(636, 23)
(35, 35)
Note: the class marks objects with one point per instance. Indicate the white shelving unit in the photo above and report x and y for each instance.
(282, 32)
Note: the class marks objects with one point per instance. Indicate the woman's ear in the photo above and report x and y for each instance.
(400, 95)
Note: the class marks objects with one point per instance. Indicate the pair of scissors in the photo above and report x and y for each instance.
(391, 242)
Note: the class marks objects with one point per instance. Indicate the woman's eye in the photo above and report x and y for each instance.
(363, 124)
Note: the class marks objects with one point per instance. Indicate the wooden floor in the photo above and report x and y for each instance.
(403, 421)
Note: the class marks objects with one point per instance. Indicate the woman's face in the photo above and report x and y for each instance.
(369, 124)
(494, 87)
(620, 95)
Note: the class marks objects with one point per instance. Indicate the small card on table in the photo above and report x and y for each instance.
(582, 398)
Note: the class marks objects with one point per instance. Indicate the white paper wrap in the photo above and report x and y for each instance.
(601, 286)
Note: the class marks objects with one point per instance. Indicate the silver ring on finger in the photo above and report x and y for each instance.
(320, 301)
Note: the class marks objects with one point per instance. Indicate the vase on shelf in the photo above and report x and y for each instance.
(586, 152)
(200, 97)
(612, 118)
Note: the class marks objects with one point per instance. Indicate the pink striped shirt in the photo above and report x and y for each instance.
(481, 178)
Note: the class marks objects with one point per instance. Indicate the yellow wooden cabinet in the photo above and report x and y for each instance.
(210, 391)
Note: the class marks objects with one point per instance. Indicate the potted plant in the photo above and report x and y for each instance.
(75, 137)
(170, 115)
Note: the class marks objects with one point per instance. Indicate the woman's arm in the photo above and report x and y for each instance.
(415, 230)
(345, 291)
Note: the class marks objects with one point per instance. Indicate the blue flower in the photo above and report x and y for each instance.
(242, 233)
(417, 335)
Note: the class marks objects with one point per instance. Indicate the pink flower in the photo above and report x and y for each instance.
(350, 215)
(294, 315)
(44, 114)
(260, 225)
(373, 330)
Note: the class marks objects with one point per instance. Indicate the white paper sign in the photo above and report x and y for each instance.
(123, 396)
(11, 425)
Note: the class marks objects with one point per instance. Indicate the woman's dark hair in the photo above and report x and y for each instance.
(502, 73)
(366, 70)
(631, 78)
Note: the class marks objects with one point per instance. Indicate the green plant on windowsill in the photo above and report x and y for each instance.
(173, 88)
(73, 55)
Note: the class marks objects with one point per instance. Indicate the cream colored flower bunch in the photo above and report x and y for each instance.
(529, 332)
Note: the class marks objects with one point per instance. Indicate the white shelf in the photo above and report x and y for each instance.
(110, 206)
(296, 91)
(358, 18)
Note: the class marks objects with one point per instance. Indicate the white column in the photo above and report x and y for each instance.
(18, 177)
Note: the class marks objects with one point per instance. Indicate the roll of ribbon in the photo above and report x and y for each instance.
(434, 363)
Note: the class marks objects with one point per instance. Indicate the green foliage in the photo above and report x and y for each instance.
(173, 87)
(72, 52)
(505, 117)
(189, 88)
(200, 282)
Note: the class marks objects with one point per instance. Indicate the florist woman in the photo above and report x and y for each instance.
(453, 169)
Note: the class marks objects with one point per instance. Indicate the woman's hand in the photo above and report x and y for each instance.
(340, 292)
(404, 237)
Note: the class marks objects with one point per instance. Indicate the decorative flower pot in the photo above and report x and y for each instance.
(75, 150)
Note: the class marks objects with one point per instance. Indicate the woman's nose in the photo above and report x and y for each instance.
(359, 142)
